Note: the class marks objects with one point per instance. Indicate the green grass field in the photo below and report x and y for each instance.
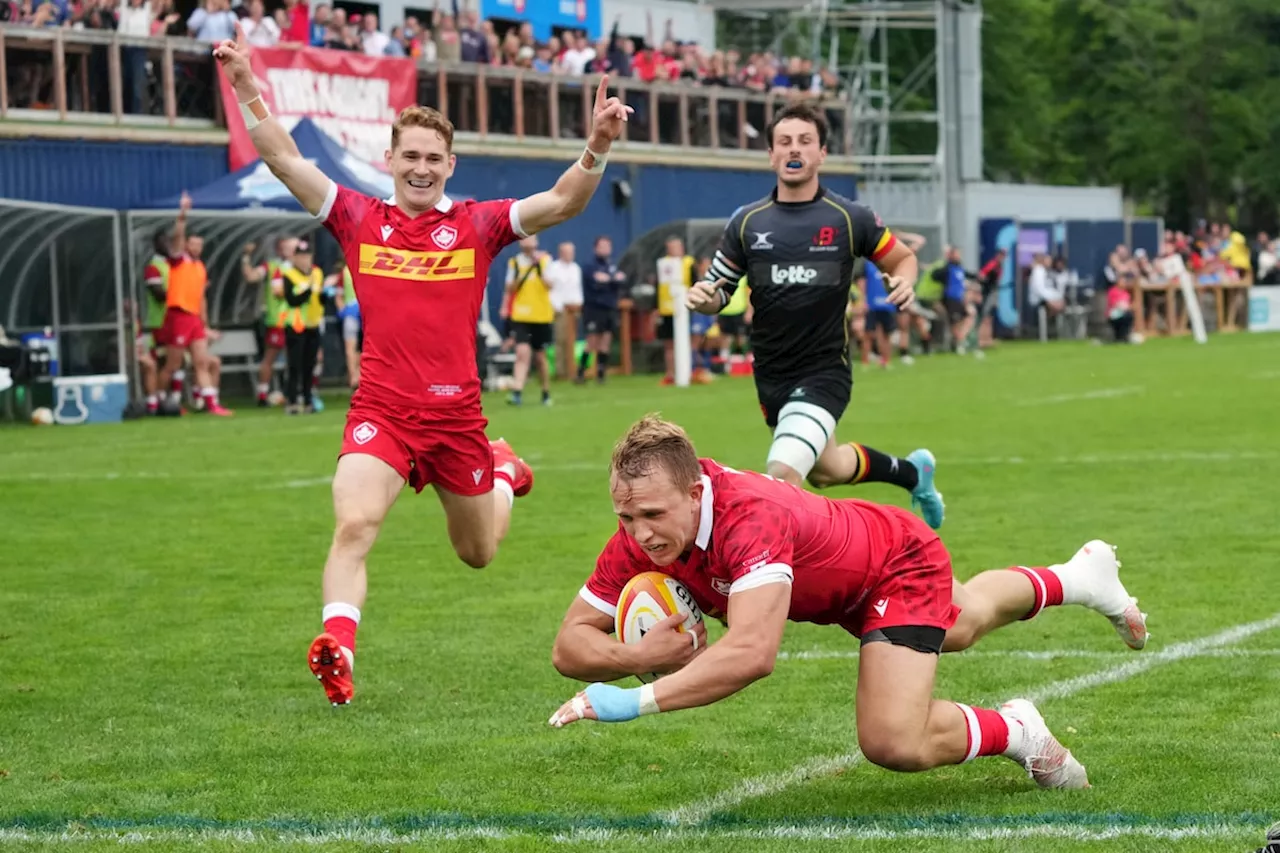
(161, 585)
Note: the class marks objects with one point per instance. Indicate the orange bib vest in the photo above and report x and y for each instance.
(187, 281)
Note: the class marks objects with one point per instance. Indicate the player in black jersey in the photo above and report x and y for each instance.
(796, 248)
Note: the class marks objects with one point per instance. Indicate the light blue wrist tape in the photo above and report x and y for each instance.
(614, 704)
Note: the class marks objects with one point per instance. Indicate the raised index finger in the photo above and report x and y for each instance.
(241, 40)
(602, 92)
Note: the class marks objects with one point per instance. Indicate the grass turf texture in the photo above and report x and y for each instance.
(162, 585)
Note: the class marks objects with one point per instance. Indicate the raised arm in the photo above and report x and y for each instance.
(178, 239)
(274, 145)
(573, 191)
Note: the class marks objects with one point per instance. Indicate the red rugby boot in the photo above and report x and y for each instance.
(330, 664)
(502, 455)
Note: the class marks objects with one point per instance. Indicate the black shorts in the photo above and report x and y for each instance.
(956, 309)
(599, 321)
(827, 389)
(666, 328)
(731, 325)
(887, 320)
(539, 336)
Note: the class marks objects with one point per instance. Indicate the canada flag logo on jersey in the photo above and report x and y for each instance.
(445, 236)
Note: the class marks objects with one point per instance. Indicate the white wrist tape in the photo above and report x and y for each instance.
(254, 117)
(648, 705)
(600, 161)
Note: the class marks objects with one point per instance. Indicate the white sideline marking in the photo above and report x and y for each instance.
(1050, 654)
(1143, 662)
(773, 783)
(760, 786)
(1099, 394)
(306, 480)
(381, 837)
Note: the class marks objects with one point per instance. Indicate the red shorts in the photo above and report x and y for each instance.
(915, 586)
(180, 328)
(274, 338)
(452, 452)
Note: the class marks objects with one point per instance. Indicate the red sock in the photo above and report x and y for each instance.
(1046, 585)
(987, 731)
(341, 620)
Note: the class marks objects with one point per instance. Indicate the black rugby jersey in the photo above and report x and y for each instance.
(799, 259)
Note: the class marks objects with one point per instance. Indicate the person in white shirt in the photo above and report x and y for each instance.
(373, 41)
(135, 20)
(579, 54)
(1043, 290)
(259, 30)
(565, 277)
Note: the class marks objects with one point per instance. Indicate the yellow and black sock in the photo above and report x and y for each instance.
(877, 467)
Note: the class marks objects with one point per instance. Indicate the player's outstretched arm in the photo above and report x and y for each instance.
(743, 655)
(586, 651)
(275, 146)
(573, 191)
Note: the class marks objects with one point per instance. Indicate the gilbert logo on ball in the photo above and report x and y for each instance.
(646, 600)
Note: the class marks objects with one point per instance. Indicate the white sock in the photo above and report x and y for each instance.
(503, 488)
(211, 394)
(508, 468)
(263, 388)
(152, 400)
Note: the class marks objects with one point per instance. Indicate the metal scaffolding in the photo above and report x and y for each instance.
(918, 173)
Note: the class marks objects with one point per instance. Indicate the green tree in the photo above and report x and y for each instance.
(1171, 99)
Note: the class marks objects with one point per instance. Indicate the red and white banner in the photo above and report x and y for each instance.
(352, 97)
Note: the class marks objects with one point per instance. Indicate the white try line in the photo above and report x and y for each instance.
(1097, 394)
(1024, 654)
(383, 837)
(698, 811)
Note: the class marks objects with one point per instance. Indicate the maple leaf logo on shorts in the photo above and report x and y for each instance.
(364, 433)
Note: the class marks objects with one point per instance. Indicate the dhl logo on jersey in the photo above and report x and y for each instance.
(417, 266)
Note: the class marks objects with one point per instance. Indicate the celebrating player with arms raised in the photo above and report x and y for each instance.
(761, 552)
(419, 267)
(796, 248)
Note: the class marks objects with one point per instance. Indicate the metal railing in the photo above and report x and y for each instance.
(101, 77)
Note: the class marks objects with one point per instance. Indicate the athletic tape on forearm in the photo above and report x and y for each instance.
(598, 160)
(254, 116)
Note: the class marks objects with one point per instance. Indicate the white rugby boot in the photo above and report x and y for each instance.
(1092, 578)
(1034, 747)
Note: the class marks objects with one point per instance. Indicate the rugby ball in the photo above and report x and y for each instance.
(42, 416)
(646, 600)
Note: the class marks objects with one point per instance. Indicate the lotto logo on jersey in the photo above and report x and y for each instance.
(794, 274)
(417, 266)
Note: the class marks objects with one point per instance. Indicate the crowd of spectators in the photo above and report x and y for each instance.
(449, 33)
